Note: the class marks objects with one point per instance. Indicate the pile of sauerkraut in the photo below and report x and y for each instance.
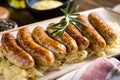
(11, 72)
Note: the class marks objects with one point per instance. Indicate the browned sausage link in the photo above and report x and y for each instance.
(14, 53)
(43, 39)
(99, 24)
(40, 54)
(97, 43)
(67, 40)
(82, 41)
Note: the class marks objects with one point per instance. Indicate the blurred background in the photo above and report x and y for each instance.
(22, 16)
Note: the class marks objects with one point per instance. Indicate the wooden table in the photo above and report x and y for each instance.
(23, 17)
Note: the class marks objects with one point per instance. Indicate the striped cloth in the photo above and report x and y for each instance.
(99, 69)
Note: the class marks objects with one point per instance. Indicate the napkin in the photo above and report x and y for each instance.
(99, 69)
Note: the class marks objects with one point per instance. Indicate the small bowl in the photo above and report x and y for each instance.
(46, 14)
(6, 24)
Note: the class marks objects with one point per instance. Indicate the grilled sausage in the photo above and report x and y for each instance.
(99, 24)
(14, 53)
(97, 43)
(82, 41)
(67, 40)
(43, 39)
(41, 55)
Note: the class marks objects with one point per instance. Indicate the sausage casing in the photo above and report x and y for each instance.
(14, 53)
(41, 37)
(40, 54)
(82, 41)
(97, 42)
(99, 24)
(67, 40)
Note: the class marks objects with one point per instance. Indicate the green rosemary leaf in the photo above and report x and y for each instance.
(54, 25)
(54, 32)
(64, 27)
(68, 6)
(78, 22)
(57, 24)
(81, 23)
(58, 33)
(72, 20)
(63, 11)
(75, 14)
(77, 26)
(60, 28)
(54, 28)
(75, 9)
(50, 27)
(62, 34)
(63, 20)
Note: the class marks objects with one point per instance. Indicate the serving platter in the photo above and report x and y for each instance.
(106, 13)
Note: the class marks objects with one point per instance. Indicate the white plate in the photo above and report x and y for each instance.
(107, 14)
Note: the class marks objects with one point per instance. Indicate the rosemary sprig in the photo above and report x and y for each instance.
(70, 18)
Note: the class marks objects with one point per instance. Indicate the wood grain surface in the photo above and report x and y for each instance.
(23, 17)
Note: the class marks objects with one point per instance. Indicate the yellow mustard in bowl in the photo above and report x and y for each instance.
(47, 4)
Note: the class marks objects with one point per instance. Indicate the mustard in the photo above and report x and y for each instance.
(47, 4)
